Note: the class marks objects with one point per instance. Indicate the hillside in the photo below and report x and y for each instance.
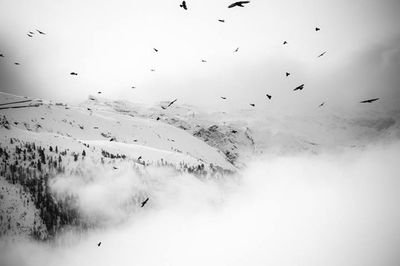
(43, 140)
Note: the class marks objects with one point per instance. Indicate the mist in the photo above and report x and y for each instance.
(334, 208)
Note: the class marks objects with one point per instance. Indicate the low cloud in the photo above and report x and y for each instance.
(327, 209)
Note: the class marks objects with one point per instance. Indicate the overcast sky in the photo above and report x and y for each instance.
(110, 45)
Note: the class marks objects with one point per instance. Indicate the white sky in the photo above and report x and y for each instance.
(110, 45)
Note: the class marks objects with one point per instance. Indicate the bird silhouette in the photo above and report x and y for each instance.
(301, 87)
(31, 32)
(156, 50)
(317, 29)
(223, 98)
(285, 42)
(152, 70)
(74, 74)
(139, 158)
(203, 61)
(269, 96)
(99, 92)
(322, 54)
(322, 104)
(287, 74)
(158, 118)
(144, 202)
(370, 100)
(1, 55)
(17, 64)
(237, 50)
(183, 5)
(221, 20)
(239, 3)
(171, 103)
(98, 244)
(41, 32)
(115, 168)
(29, 35)
(252, 104)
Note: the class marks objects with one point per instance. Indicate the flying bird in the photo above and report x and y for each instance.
(370, 100)
(156, 50)
(171, 103)
(17, 64)
(317, 29)
(322, 54)
(269, 96)
(221, 20)
(239, 3)
(301, 87)
(41, 32)
(223, 98)
(237, 50)
(144, 202)
(29, 35)
(74, 74)
(139, 158)
(98, 244)
(285, 42)
(152, 70)
(183, 5)
(203, 61)
(252, 104)
(287, 74)
(1, 55)
(31, 32)
(99, 92)
(322, 104)
(158, 118)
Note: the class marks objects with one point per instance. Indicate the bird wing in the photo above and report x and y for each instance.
(370, 100)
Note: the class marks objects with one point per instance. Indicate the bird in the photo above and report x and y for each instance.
(370, 100)
(237, 50)
(98, 244)
(269, 96)
(203, 61)
(171, 103)
(299, 87)
(285, 42)
(317, 29)
(74, 74)
(115, 168)
(239, 3)
(152, 70)
(99, 92)
(139, 158)
(31, 32)
(1, 55)
(223, 98)
(233, 131)
(322, 104)
(287, 74)
(133, 87)
(29, 35)
(322, 54)
(156, 50)
(221, 20)
(41, 32)
(252, 104)
(183, 5)
(144, 202)
(17, 64)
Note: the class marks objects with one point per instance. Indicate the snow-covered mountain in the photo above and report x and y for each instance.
(41, 139)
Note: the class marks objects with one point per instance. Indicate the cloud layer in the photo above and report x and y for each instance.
(330, 209)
